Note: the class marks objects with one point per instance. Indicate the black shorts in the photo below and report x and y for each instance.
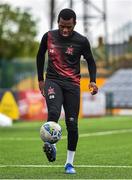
(58, 93)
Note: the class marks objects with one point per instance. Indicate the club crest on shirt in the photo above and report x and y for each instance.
(69, 50)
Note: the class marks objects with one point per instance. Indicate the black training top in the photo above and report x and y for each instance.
(64, 57)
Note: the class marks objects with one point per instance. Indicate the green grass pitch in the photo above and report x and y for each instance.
(104, 151)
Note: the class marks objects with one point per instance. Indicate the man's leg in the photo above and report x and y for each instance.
(54, 100)
(71, 106)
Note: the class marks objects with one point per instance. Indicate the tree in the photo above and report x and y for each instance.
(17, 33)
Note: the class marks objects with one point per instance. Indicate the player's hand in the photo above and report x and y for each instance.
(93, 88)
(41, 87)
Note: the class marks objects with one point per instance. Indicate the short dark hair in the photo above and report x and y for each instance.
(67, 14)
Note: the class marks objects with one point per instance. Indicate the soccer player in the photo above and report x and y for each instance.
(62, 83)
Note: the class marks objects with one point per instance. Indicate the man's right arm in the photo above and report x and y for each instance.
(40, 62)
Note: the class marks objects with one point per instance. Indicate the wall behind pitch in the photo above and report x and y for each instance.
(23, 105)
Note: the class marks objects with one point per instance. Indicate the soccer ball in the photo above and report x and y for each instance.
(50, 132)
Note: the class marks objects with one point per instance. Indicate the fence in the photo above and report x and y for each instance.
(12, 72)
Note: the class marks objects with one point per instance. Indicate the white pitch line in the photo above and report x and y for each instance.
(101, 133)
(61, 166)
(121, 131)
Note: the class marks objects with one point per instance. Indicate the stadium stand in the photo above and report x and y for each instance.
(119, 87)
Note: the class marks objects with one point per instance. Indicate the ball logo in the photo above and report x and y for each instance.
(49, 129)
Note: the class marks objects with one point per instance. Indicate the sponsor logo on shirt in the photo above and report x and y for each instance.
(51, 51)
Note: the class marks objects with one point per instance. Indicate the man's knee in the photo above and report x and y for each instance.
(72, 124)
(53, 115)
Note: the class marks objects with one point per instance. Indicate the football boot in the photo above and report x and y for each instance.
(50, 151)
(69, 169)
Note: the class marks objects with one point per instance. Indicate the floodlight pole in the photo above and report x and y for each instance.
(85, 16)
(71, 4)
(102, 14)
(106, 33)
(52, 13)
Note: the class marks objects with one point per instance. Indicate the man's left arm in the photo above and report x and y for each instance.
(88, 56)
